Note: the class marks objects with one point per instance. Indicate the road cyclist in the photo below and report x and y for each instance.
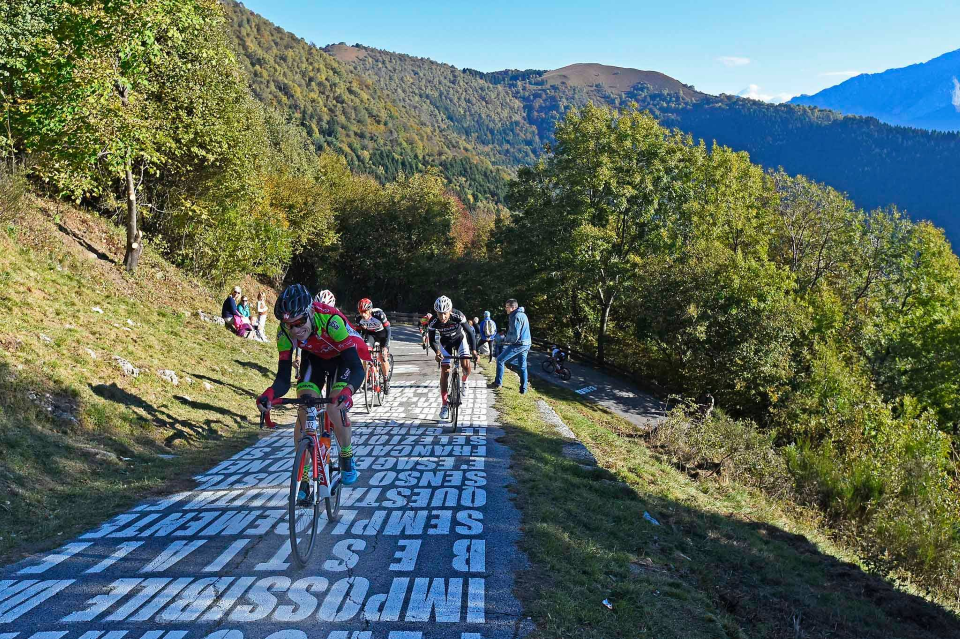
(423, 330)
(374, 325)
(332, 352)
(450, 335)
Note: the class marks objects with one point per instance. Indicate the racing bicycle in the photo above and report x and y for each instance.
(373, 381)
(552, 365)
(318, 454)
(454, 398)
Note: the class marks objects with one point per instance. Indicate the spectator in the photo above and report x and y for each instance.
(230, 312)
(262, 315)
(516, 344)
(488, 330)
(498, 342)
(476, 328)
(244, 307)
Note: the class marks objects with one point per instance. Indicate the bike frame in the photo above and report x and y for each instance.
(320, 442)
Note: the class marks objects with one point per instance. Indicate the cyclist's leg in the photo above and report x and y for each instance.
(384, 342)
(444, 373)
(347, 378)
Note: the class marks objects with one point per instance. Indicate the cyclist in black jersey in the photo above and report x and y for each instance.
(373, 323)
(451, 336)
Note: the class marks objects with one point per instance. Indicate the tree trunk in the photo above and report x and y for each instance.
(602, 334)
(134, 235)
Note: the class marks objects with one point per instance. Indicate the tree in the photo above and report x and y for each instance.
(126, 95)
(605, 197)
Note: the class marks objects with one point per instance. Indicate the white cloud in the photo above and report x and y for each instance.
(754, 92)
(733, 61)
(839, 74)
(955, 97)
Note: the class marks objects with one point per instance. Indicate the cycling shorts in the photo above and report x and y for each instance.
(460, 349)
(338, 371)
(381, 337)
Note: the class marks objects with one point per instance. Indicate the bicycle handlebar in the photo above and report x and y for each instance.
(307, 401)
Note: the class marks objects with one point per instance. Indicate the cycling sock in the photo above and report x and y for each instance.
(346, 451)
(443, 398)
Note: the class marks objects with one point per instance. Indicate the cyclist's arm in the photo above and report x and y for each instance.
(471, 335)
(432, 336)
(281, 383)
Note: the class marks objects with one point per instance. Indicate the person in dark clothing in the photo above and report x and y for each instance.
(230, 310)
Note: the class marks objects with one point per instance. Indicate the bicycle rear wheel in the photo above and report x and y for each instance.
(565, 374)
(333, 501)
(390, 374)
(548, 366)
(302, 516)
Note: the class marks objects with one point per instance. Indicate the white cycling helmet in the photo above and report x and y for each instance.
(326, 297)
(443, 304)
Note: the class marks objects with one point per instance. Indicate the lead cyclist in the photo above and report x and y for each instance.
(332, 351)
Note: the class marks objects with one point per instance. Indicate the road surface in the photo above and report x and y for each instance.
(425, 547)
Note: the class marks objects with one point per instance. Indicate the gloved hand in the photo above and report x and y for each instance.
(265, 400)
(345, 399)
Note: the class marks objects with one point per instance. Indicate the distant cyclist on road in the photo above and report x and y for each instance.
(373, 323)
(451, 336)
(423, 329)
(331, 355)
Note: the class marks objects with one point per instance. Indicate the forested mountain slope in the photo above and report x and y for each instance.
(345, 112)
(446, 99)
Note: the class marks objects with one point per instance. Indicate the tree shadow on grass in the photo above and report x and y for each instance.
(260, 368)
(697, 573)
(181, 430)
(239, 390)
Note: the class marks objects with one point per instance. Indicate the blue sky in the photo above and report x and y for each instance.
(769, 49)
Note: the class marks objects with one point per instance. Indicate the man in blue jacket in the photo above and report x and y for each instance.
(516, 344)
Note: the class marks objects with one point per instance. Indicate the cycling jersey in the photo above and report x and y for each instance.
(450, 334)
(333, 337)
(378, 321)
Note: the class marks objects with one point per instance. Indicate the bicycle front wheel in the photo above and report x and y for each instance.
(390, 374)
(378, 386)
(548, 366)
(368, 387)
(333, 501)
(454, 400)
(303, 514)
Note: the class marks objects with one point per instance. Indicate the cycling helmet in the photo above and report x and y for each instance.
(364, 305)
(443, 304)
(294, 302)
(326, 297)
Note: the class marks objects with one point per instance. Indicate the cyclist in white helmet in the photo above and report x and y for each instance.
(451, 336)
(326, 297)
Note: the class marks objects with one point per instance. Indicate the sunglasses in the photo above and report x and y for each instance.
(298, 323)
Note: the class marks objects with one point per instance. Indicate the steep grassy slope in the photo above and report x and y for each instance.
(79, 439)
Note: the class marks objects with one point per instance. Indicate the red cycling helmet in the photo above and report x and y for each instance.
(364, 305)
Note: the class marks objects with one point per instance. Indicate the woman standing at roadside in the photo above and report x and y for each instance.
(262, 315)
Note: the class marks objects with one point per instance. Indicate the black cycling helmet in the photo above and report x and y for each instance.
(294, 302)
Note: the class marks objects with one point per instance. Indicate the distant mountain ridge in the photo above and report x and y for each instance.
(924, 95)
(390, 112)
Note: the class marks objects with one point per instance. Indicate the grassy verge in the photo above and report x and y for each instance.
(724, 562)
(81, 440)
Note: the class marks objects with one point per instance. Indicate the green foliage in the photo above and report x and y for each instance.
(380, 130)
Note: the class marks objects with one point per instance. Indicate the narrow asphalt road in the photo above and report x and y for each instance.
(616, 395)
(425, 546)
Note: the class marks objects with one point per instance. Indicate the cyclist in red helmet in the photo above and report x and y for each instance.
(373, 323)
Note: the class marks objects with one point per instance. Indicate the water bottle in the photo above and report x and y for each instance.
(311, 422)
